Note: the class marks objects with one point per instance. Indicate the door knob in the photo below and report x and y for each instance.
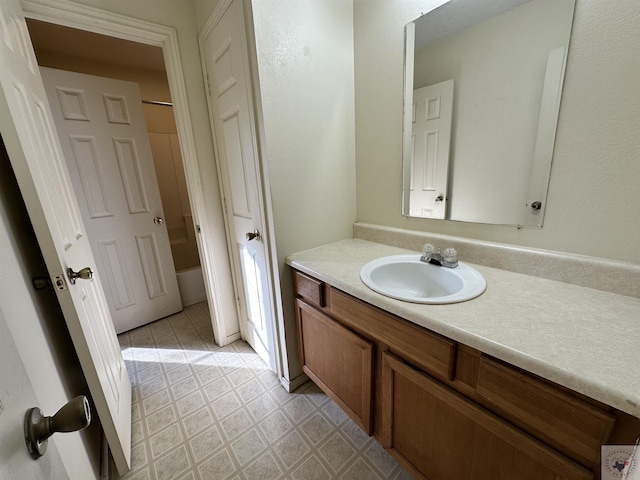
(72, 417)
(255, 235)
(158, 220)
(85, 274)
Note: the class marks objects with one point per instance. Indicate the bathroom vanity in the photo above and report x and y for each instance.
(519, 383)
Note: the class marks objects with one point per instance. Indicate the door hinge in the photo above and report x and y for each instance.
(206, 81)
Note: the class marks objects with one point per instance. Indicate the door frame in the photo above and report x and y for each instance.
(274, 308)
(83, 17)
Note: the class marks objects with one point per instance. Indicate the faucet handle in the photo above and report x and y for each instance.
(428, 250)
(450, 255)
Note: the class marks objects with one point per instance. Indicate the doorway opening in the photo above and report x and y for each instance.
(84, 52)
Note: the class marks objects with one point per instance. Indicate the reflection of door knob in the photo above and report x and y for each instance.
(72, 417)
(253, 235)
(158, 220)
(85, 274)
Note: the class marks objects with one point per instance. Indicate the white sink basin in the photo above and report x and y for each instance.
(405, 277)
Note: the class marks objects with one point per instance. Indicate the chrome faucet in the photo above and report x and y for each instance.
(448, 258)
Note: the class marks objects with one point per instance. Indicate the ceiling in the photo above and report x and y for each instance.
(48, 37)
(456, 15)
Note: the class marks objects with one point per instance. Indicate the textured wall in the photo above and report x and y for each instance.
(305, 61)
(592, 206)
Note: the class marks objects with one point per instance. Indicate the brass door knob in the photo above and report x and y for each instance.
(72, 417)
(158, 220)
(85, 274)
(255, 235)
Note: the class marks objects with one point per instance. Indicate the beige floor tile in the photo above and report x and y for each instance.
(248, 446)
(219, 467)
(160, 419)
(165, 440)
(190, 403)
(275, 426)
(317, 428)
(172, 465)
(360, 470)
(291, 449)
(205, 444)
(336, 452)
(311, 469)
(263, 468)
(203, 412)
(197, 421)
(235, 424)
(261, 406)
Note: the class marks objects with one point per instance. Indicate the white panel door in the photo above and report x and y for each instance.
(104, 138)
(227, 68)
(432, 118)
(28, 132)
(16, 397)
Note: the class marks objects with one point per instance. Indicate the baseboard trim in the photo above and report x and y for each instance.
(291, 385)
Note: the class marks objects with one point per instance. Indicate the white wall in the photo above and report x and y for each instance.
(204, 9)
(592, 206)
(305, 61)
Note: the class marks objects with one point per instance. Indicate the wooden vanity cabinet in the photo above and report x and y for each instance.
(444, 410)
(441, 435)
(338, 361)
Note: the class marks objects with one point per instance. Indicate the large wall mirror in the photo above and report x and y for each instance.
(483, 82)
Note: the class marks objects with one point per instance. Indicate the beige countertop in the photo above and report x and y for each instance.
(584, 339)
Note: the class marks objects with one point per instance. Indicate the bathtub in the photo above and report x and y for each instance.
(191, 286)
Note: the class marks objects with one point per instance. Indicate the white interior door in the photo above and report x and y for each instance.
(28, 132)
(226, 63)
(104, 138)
(16, 396)
(432, 118)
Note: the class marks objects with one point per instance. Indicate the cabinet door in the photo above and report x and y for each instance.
(338, 361)
(441, 435)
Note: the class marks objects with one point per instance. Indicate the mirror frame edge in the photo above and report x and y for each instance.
(407, 112)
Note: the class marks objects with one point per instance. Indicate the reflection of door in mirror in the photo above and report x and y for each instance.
(507, 60)
(431, 134)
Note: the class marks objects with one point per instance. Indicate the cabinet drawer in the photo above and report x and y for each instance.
(572, 425)
(432, 352)
(308, 288)
(441, 435)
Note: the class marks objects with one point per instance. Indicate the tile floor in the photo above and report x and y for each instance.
(204, 412)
